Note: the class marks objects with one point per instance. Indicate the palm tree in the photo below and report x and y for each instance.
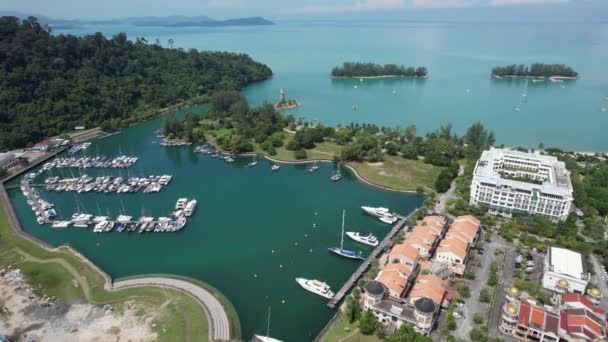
(171, 41)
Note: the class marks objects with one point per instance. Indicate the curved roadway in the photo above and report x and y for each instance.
(218, 320)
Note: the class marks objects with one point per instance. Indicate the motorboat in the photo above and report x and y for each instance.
(389, 219)
(190, 207)
(275, 167)
(61, 224)
(336, 177)
(367, 238)
(252, 164)
(315, 286)
(181, 203)
(313, 169)
(376, 211)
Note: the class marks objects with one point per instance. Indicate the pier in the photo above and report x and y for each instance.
(365, 265)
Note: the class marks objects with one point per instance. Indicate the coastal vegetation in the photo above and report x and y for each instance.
(52, 83)
(53, 273)
(354, 69)
(535, 70)
(386, 156)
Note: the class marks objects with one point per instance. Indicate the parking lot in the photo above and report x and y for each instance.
(472, 304)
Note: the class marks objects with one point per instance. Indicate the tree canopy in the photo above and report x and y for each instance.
(535, 70)
(51, 83)
(353, 69)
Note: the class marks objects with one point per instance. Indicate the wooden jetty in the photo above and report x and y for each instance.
(386, 242)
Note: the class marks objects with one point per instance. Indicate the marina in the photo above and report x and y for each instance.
(107, 184)
(236, 222)
(90, 162)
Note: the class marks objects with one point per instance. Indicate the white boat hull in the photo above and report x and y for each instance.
(355, 236)
(303, 282)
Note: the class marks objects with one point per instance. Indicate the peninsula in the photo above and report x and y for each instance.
(372, 70)
(76, 87)
(554, 71)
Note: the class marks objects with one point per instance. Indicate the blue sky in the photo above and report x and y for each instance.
(88, 9)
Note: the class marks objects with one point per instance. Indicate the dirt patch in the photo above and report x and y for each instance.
(374, 164)
(385, 174)
(25, 315)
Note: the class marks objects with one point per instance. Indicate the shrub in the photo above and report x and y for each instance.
(300, 154)
(477, 318)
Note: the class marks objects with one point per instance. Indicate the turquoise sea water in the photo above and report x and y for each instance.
(254, 231)
(459, 57)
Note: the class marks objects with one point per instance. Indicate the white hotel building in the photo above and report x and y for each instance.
(509, 181)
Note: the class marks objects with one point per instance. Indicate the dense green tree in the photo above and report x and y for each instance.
(351, 69)
(536, 70)
(406, 333)
(368, 323)
(353, 309)
(51, 83)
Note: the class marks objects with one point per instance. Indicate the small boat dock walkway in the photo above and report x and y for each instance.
(385, 243)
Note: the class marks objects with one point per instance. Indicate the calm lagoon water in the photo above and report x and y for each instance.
(249, 222)
(459, 89)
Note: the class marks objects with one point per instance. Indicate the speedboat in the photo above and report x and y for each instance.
(367, 239)
(181, 222)
(317, 287)
(275, 167)
(181, 203)
(40, 220)
(313, 169)
(336, 177)
(252, 164)
(190, 207)
(50, 213)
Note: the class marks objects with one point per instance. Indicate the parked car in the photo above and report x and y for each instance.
(530, 263)
(529, 269)
(460, 303)
(517, 265)
(457, 315)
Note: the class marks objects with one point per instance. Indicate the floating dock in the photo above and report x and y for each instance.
(385, 243)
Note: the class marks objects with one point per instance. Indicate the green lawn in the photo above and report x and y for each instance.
(182, 319)
(399, 173)
(342, 330)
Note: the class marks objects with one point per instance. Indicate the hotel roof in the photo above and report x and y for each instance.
(575, 299)
(454, 245)
(566, 262)
(559, 180)
(399, 267)
(393, 280)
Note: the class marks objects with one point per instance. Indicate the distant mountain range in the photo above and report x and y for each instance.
(169, 21)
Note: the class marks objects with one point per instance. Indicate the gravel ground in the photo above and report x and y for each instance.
(25, 316)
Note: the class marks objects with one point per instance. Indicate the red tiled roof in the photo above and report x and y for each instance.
(575, 297)
(538, 316)
(524, 313)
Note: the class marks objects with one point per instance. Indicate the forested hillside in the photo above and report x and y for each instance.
(51, 83)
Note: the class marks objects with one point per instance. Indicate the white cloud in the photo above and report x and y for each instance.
(359, 6)
(523, 2)
(440, 3)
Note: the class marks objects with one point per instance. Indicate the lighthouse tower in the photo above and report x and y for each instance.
(282, 96)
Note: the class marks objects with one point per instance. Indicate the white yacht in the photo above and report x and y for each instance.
(388, 219)
(100, 227)
(61, 224)
(252, 164)
(378, 212)
(313, 169)
(367, 239)
(316, 287)
(275, 167)
(181, 203)
(82, 220)
(190, 207)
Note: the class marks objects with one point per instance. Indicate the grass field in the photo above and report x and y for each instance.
(342, 330)
(53, 273)
(399, 173)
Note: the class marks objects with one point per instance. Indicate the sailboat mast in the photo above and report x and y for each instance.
(268, 324)
(342, 236)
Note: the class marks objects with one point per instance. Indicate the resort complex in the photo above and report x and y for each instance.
(509, 181)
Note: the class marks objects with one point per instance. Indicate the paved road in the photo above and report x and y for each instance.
(443, 199)
(218, 320)
(599, 279)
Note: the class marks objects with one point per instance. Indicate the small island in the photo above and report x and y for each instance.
(284, 103)
(551, 71)
(371, 70)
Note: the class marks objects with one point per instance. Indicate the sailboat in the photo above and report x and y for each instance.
(266, 338)
(345, 252)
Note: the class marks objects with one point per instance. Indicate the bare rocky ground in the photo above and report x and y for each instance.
(24, 316)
